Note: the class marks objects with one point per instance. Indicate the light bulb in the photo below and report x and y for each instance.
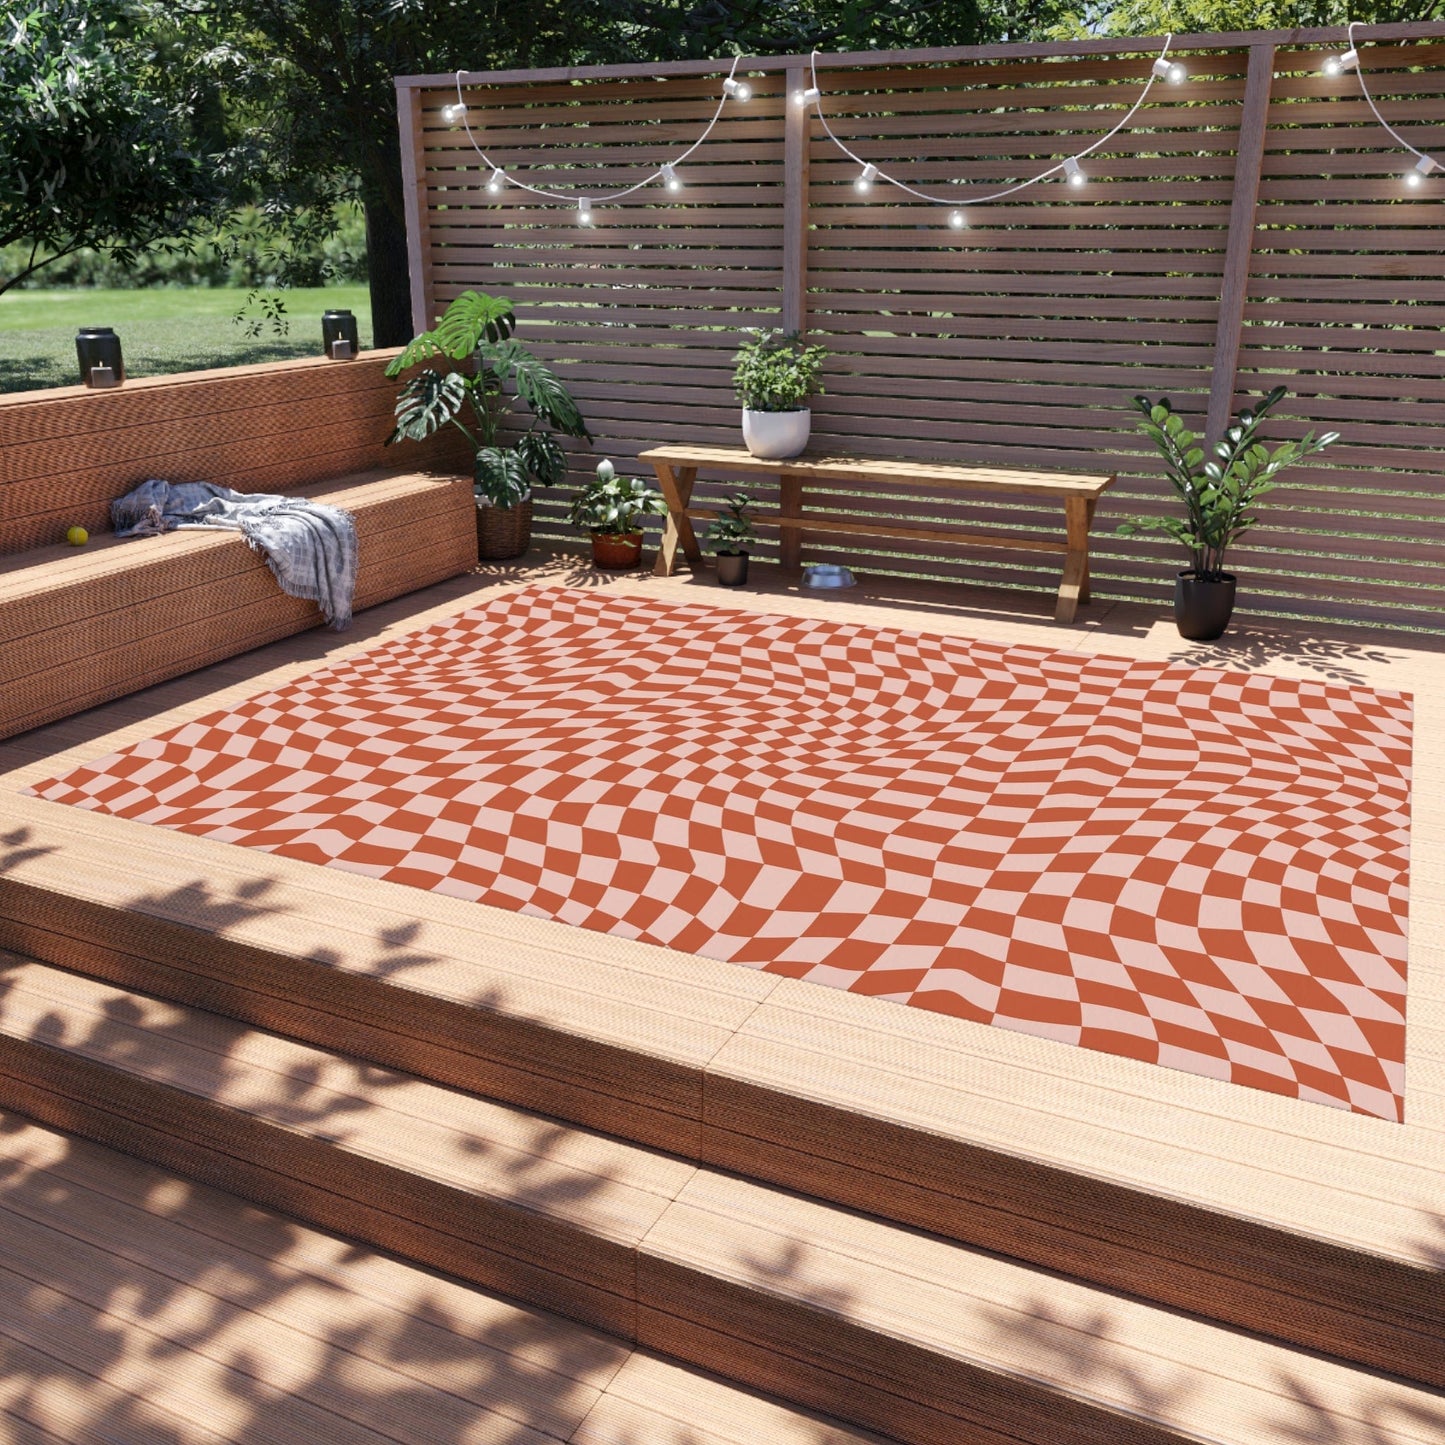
(1076, 177)
(1423, 167)
(957, 220)
(454, 112)
(1169, 70)
(584, 211)
(1177, 74)
(806, 97)
(739, 90)
(1337, 64)
(669, 177)
(865, 177)
(497, 181)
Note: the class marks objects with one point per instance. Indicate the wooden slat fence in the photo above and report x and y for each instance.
(1248, 227)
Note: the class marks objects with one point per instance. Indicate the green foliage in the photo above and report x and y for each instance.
(99, 148)
(777, 372)
(733, 532)
(613, 506)
(1219, 495)
(479, 327)
(1214, 17)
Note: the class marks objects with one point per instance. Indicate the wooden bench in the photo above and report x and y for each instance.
(80, 626)
(677, 468)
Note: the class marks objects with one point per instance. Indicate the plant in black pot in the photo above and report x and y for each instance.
(732, 538)
(611, 508)
(1219, 496)
(504, 471)
(776, 374)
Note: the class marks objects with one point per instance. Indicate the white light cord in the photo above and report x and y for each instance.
(1370, 101)
(963, 199)
(663, 172)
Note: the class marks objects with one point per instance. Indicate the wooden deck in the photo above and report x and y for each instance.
(698, 1102)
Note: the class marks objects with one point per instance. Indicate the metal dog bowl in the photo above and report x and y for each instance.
(825, 576)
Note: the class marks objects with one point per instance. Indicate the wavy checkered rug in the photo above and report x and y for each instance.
(1199, 869)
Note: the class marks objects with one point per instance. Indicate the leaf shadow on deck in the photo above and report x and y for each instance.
(143, 1307)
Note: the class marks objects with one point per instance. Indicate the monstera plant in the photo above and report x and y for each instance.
(482, 403)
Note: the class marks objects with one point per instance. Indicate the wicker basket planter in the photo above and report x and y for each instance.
(503, 531)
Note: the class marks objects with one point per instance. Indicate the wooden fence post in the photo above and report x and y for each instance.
(795, 202)
(1239, 251)
(413, 185)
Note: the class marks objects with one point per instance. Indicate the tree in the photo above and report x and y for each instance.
(1216, 17)
(93, 152)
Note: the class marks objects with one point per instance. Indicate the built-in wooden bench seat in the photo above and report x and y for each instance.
(79, 626)
(82, 625)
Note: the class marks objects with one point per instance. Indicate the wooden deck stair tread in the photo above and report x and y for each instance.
(243, 1325)
(737, 1274)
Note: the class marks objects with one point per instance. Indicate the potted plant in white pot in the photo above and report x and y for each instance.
(1219, 497)
(480, 327)
(732, 538)
(776, 374)
(611, 509)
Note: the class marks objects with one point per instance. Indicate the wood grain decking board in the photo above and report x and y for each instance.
(242, 1325)
(1322, 1226)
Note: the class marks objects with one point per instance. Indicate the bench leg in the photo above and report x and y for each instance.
(1074, 586)
(790, 504)
(676, 488)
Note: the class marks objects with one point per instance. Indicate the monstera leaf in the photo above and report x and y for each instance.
(543, 457)
(500, 475)
(537, 384)
(428, 401)
(469, 320)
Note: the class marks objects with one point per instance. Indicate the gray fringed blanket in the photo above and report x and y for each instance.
(310, 548)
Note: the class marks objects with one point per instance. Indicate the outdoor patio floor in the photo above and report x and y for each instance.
(1345, 1179)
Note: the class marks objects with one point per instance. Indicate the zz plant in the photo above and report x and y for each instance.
(1219, 494)
(731, 534)
(479, 327)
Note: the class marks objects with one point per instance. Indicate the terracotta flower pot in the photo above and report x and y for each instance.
(1202, 607)
(616, 554)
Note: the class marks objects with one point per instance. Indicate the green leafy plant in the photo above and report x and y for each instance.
(480, 327)
(613, 506)
(777, 372)
(1219, 495)
(732, 533)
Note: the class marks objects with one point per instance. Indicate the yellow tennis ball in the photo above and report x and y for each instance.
(77, 536)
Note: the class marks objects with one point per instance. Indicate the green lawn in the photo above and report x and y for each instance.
(161, 330)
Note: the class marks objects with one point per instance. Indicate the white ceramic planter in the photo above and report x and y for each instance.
(772, 435)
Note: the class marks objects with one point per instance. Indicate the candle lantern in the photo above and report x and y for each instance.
(98, 350)
(339, 335)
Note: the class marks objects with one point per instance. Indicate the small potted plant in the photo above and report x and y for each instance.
(480, 327)
(1219, 497)
(776, 374)
(731, 537)
(610, 508)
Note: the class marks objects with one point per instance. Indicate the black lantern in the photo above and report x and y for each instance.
(98, 350)
(339, 336)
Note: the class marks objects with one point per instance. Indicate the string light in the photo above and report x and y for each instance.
(732, 88)
(806, 97)
(1161, 69)
(1336, 65)
(957, 220)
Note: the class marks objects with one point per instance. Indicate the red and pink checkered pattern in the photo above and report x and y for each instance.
(1200, 869)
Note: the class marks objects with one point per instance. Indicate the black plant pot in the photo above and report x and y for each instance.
(732, 569)
(1202, 607)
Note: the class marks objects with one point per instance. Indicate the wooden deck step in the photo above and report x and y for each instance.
(140, 1307)
(888, 1328)
(1249, 1209)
